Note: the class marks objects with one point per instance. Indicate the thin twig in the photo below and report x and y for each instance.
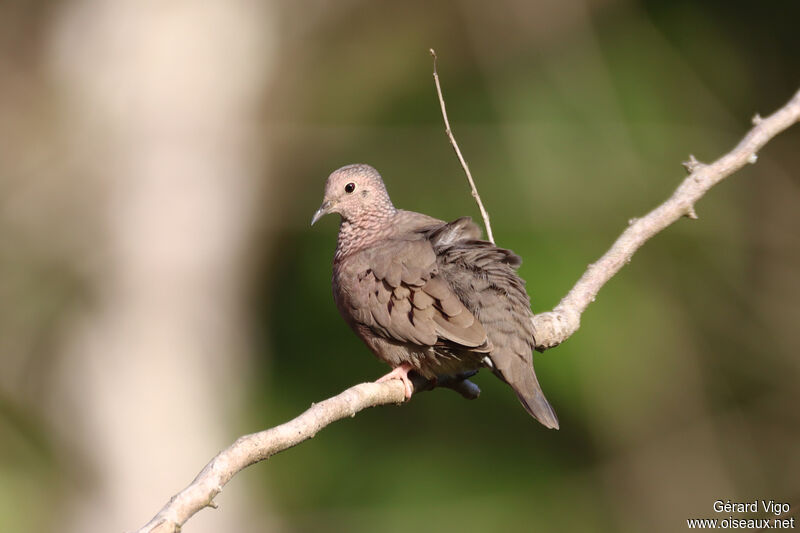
(551, 328)
(454, 144)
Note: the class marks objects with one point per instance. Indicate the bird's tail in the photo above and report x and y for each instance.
(519, 373)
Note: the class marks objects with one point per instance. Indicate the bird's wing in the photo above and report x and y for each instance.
(445, 234)
(400, 296)
(486, 277)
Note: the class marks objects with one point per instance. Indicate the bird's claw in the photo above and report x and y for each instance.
(401, 373)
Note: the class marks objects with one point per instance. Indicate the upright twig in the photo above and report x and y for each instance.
(552, 327)
(454, 144)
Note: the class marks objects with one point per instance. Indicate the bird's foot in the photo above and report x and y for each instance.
(401, 373)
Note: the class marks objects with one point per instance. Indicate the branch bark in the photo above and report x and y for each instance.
(250, 449)
(552, 328)
(253, 448)
(556, 326)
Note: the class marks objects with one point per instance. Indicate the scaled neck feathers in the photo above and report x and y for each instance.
(359, 232)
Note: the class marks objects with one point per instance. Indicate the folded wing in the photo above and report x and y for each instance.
(401, 297)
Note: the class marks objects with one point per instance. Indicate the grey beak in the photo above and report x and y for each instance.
(321, 212)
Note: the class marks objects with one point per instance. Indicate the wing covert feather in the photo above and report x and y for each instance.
(406, 300)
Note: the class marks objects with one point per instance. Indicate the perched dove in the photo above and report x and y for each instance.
(427, 295)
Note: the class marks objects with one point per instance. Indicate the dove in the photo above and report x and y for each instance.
(426, 295)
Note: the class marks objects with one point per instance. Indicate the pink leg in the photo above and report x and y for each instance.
(401, 373)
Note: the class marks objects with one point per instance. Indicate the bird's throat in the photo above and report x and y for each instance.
(358, 234)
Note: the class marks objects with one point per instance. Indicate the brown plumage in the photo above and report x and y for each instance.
(428, 295)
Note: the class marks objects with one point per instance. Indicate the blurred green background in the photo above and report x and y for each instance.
(117, 165)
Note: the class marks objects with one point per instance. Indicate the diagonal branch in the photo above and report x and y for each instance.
(552, 328)
(556, 326)
(256, 447)
(250, 449)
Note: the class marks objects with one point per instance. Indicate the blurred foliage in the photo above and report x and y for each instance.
(680, 387)
(570, 131)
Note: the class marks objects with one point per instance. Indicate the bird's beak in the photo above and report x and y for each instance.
(323, 210)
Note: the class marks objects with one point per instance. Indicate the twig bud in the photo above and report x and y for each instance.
(692, 164)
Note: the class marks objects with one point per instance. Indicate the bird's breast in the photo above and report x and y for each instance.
(345, 278)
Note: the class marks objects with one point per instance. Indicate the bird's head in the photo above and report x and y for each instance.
(355, 191)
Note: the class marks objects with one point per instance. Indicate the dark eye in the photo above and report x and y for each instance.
(350, 187)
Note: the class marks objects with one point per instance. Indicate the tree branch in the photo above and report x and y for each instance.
(556, 326)
(256, 447)
(552, 327)
(250, 449)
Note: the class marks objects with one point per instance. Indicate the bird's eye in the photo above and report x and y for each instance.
(350, 187)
